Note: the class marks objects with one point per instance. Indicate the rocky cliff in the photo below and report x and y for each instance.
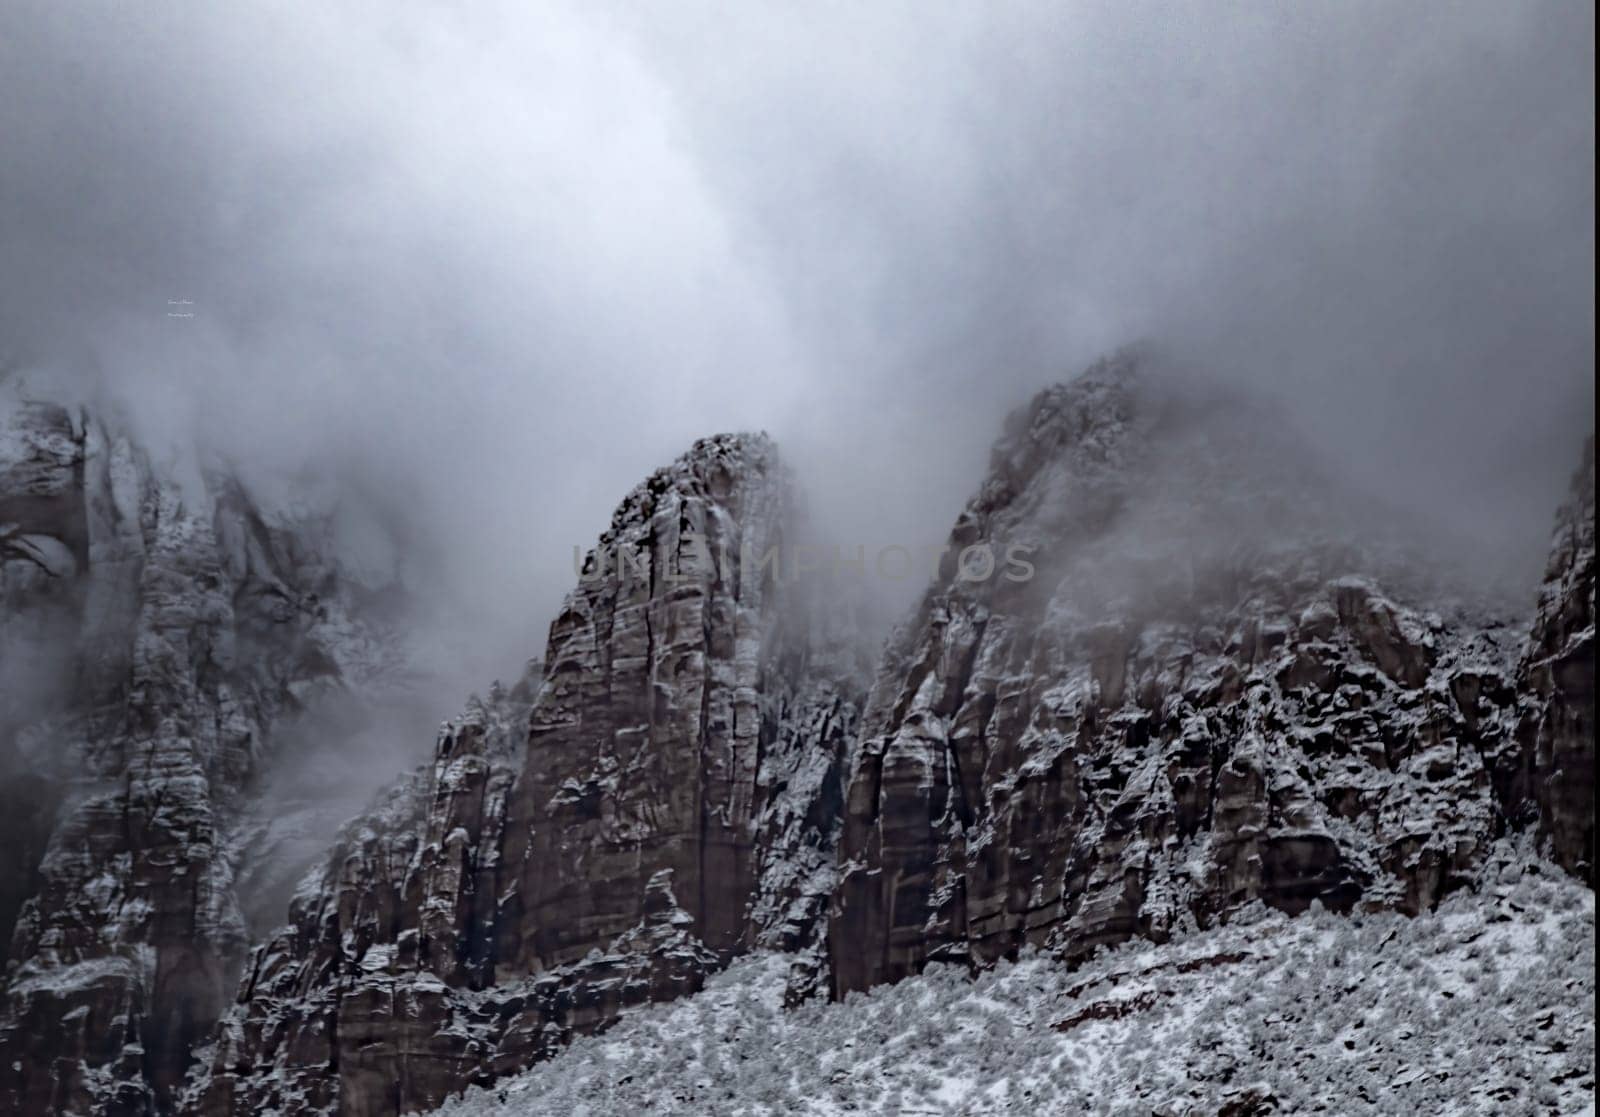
(1225, 682)
(156, 631)
(661, 798)
(678, 703)
(1552, 779)
(1166, 670)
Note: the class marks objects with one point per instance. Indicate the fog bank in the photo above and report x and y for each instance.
(482, 267)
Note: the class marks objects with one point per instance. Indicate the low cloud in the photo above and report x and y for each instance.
(485, 266)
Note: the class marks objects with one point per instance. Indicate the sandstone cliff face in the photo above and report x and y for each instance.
(179, 625)
(647, 745)
(663, 797)
(1208, 694)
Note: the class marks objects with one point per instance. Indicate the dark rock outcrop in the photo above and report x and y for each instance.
(354, 1000)
(380, 996)
(664, 797)
(650, 746)
(154, 634)
(1219, 686)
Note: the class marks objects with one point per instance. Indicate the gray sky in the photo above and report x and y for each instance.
(486, 265)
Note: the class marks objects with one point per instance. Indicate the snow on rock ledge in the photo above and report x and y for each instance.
(1484, 1006)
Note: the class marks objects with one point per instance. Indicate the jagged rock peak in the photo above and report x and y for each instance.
(1205, 689)
(677, 804)
(1213, 689)
(647, 739)
(708, 469)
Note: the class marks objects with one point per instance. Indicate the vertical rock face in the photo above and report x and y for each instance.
(677, 710)
(663, 797)
(154, 634)
(644, 748)
(43, 545)
(1208, 693)
(1554, 774)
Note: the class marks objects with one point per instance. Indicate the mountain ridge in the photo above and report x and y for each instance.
(1214, 691)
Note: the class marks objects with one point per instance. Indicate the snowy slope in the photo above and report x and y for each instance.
(1485, 1006)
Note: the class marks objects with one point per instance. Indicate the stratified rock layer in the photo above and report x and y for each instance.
(1208, 693)
(179, 625)
(696, 709)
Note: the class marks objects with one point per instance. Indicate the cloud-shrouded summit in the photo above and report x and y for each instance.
(329, 334)
(486, 265)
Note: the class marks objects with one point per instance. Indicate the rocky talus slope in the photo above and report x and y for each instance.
(155, 632)
(665, 796)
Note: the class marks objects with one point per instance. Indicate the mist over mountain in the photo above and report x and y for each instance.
(488, 503)
(445, 255)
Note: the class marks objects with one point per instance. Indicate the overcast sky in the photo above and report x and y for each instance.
(487, 264)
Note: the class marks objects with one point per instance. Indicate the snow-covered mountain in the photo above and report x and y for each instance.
(1220, 711)
(668, 801)
(162, 632)
(1230, 681)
